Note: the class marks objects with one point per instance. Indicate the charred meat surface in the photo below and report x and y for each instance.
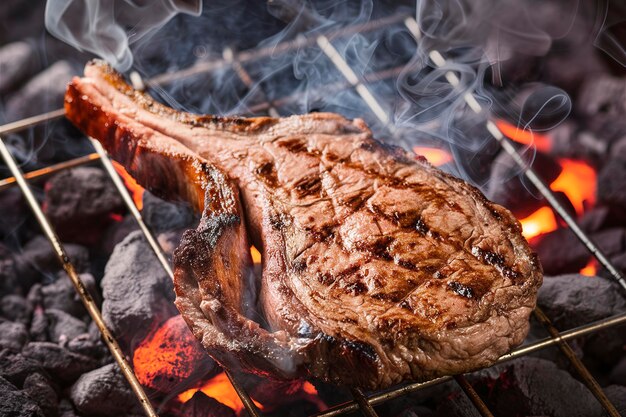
(377, 267)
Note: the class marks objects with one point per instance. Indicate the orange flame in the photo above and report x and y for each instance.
(591, 269)
(526, 137)
(541, 221)
(578, 182)
(256, 255)
(136, 190)
(167, 356)
(435, 156)
(220, 389)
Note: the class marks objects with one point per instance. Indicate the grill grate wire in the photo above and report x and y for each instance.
(88, 301)
(364, 403)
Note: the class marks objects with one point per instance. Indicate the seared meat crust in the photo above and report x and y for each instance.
(377, 267)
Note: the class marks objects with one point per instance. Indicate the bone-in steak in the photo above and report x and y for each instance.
(377, 267)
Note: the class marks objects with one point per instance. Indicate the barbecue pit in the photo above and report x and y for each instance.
(333, 45)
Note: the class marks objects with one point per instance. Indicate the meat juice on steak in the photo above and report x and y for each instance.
(377, 267)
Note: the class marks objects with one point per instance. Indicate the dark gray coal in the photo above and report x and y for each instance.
(41, 94)
(8, 275)
(601, 104)
(15, 367)
(456, 405)
(63, 365)
(16, 308)
(136, 290)
(40, 389)
(164, 216)
(618, 149)
(16, 403)
(596, 219)
(38, 261)
(61, 294)
(39, 326)
(561, 252)
(617, 395)
(104, 392)
(535, 387)
(89, 345)
(570, 140)
(574, 300)
(13, 336)
(118, 232)
(63, 327)
(80, 202)
(18, 62)
(611, 180)
(618, 374)
(568, 63)
(14, 228)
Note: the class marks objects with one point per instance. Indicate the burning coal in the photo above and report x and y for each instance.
(496, 48)
(220, 388)
(169, 357)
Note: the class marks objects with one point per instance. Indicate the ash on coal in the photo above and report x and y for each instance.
(138, 294)
(40, 389)
(65, 366)
(575, 300)
(16, 403)
(104, 392)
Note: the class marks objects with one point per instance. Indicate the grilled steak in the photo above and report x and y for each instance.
(377, 267)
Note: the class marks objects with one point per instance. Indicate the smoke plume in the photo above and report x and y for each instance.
(106, 28)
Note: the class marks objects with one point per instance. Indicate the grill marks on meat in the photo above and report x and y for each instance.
(377, 268)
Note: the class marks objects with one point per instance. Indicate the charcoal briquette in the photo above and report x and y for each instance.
(16, 308)
(63, 327)
(16, 403)
(93, 391)
(13, 335)
(60, 363)
(40, 389)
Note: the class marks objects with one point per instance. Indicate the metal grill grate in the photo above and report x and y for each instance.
(364, 403)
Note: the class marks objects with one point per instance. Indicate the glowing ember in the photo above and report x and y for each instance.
(578, 182)
(435, 156)
(256, 255)
(116, 217)
(541, 221)
(526, 137)
(311, 392)
(220, 389)
(168, 356)
(309, 388)
(590, 269)
(135, 189)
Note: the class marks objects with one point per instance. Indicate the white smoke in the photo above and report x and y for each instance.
(106, 28)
